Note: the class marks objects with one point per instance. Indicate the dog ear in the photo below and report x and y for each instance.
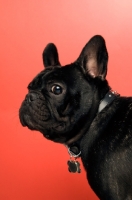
(50, 56)
(94, 57)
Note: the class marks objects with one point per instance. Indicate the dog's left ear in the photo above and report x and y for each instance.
(94, 57)
(50, 56)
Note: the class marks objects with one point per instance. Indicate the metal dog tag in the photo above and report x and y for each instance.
(74, 166)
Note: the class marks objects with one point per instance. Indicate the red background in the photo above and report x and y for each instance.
(32, 168)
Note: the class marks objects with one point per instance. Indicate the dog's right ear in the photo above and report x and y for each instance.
(50, 56)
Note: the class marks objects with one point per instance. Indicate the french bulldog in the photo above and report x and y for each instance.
(74, 105)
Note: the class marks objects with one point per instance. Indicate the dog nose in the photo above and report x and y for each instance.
(31, 97)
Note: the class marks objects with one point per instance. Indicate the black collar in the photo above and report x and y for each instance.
(74, 148)
(109, 97)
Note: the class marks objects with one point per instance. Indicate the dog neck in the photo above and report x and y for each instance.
(74, 148)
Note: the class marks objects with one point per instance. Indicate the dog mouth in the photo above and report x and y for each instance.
(33, 110)
(35, 115)
(26, 121)
(54, 132)
(34, 120)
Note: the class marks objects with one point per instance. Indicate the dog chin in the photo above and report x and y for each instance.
(61, 137)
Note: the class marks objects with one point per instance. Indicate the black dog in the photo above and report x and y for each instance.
(75, 106)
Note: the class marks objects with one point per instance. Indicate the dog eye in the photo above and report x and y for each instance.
(56, 89)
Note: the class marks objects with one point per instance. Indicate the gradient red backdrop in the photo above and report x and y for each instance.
(32, 168)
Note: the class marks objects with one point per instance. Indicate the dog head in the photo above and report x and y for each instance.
(62, 101)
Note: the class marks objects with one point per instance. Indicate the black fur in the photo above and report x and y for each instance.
(62, 103)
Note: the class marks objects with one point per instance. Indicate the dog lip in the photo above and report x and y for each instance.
(26, 121)
(22, 120)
